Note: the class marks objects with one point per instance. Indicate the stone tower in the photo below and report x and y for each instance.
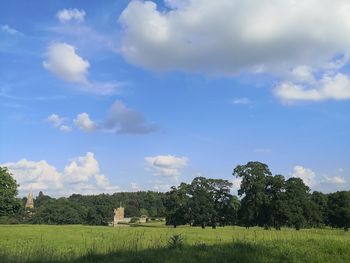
(30, 201)
(118, 215)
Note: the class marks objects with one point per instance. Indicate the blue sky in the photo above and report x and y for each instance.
(127, 95)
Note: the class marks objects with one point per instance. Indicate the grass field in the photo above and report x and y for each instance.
(150, 243)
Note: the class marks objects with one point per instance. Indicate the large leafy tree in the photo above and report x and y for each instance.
(277, 205)
(298, 203)
(9, 204)
(255, 201)
(339, 209)
(177, 206)
(202, 202)
(222, 202)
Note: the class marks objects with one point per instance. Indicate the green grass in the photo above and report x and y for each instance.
(150, 243)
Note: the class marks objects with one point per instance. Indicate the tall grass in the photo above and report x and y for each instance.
(30, 243)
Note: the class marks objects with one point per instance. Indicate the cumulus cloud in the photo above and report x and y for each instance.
(81, 175)
(58, 122)
(329, 87)
(230, 36)
(36, 175)
(63, 61)
(306, 174)
(166, 165)
(83, 122)
(124, 120)
(71, 14)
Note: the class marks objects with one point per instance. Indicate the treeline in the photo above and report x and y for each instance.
(264, 200)
(94, 209)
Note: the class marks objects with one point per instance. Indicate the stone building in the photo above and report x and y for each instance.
(119, 217)
(30, 200)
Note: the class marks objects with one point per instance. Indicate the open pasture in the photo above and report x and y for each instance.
(155, 243)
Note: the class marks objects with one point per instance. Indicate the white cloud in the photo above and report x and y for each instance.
(81, 175)
(303, 74)
(38, 175)
(81, 169)
(306, 174)
(83, 122)
(63, 61)
(166, 165)
(230, 36)
(335, 87)
(58, 122)
(10, 30)
(70, 14)
(236, 183)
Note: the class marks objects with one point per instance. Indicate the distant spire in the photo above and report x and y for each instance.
(30, 201)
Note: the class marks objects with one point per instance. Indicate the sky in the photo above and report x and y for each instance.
(108, 96)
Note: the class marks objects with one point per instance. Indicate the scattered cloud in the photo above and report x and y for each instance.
(135, 187)
(71, 14)
(228, 37)
(81, 175)
(241, 101)
(58, 122)
(329, 87)
(306, 174)
(166, 165)
(120, 120)
(335, 180)
(163, 184)
(63, 61)
(83, 122)
(10, 30)
(124, 120)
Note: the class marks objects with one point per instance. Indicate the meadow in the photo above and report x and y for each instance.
(158, 243)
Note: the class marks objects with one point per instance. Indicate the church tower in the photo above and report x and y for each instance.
(30, 201)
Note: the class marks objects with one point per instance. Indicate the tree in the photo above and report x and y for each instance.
(320, 200)
(277, 205)
(177, 206)
(221, 197)
(202, 203)
(339, 209)
(298, 202)
(9, 204)
(254, 204)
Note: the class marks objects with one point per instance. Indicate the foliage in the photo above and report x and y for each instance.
(9, 204)
(204, 202)
(175, 242)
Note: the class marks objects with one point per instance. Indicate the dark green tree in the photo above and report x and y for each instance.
(298, 202)
(255, 202)
(339, 209)
(177, 207)
(9, 204)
